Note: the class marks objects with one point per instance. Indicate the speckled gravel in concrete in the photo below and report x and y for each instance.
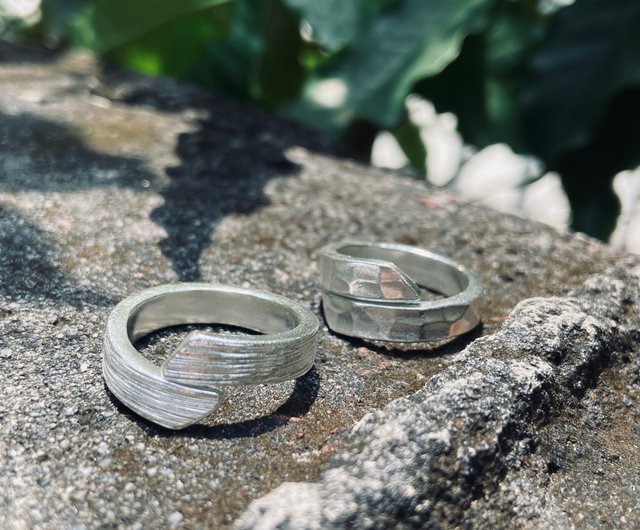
(110, 183)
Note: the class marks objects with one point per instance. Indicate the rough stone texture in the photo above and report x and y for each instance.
(462, 440)
(110, 183)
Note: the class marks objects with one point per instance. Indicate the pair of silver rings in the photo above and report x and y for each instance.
(371, 291)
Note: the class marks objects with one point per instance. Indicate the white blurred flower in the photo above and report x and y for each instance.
(551, 6)
(386, 152)
(329, 93)
(626, 185)
(19, 8)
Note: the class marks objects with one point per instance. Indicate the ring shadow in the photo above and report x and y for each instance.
(299, 402)
(416, 351)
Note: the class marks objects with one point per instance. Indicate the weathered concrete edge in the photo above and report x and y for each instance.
(420, 461)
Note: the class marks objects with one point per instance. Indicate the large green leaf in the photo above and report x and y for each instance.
(177, 48)
(281, 72)
(404, 43)
(113, 23)
(461, 88)
(583, 105)
(590, 54)
(334, 22)
(329, 30)
(482, 85)
(233, 63)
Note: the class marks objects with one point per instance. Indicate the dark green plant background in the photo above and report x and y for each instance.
(563, 86)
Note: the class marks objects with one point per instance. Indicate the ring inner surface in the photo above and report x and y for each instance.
(426, 272)
(210, 307)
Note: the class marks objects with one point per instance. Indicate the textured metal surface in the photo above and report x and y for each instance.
(372, 279)
(367, 295)
(204, 360)
(189, 385)
(408, 323)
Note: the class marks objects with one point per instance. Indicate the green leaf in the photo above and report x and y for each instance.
(281, 72)
(407, 134)
(583, 105)
(260, 57)
(117, 22)
(178, 47)
(402, 44)
(515, 29)
(56, 15)
(231, 64)
(334, 22)
(482, 85)
(461, 88)
(592, 52)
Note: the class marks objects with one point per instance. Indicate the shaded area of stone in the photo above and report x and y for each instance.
(117, 183)
(424, 461)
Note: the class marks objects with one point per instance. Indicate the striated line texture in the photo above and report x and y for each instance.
(144, 391)
(427, 460)
(206, 360)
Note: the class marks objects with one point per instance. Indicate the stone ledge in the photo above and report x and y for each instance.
(111, 183)
(423, 461)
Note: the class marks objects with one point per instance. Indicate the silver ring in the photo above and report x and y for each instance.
(189, 385)
(372, 291)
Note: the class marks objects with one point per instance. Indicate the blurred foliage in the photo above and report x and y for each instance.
(564, 86)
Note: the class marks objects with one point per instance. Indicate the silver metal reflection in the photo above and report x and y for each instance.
(189, 385)
(372, 291)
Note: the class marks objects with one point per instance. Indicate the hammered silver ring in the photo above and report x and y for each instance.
(373, 291)
(189, 385)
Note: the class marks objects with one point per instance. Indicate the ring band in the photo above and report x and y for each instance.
(189, 385)
(372, 291)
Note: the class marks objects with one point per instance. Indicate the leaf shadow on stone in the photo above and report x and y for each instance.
(27, 52)
(220, 175)
(30, 268)
(225, 166)
(45, 155)
(225, 163)
(304, 394)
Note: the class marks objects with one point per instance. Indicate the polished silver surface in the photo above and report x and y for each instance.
(189, 385)
(373, 291)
